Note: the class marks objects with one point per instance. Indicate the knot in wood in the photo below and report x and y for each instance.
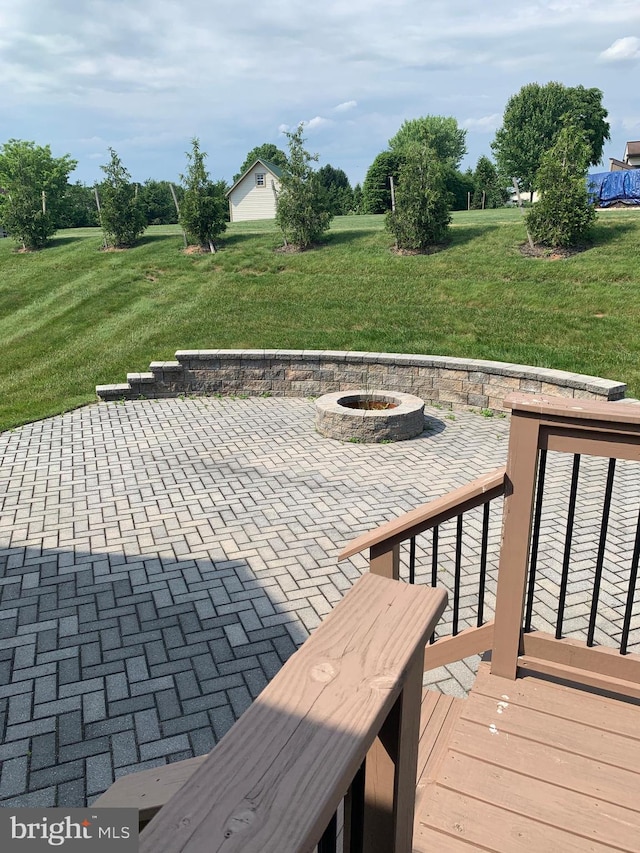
(323, 672)
(238, 822)
(382, 682)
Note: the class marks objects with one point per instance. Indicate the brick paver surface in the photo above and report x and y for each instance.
(160, 560)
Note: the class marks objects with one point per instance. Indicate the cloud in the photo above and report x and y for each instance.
(346, 106)
(128, 72)
(484, 124)
(317, 121)
(622, 50)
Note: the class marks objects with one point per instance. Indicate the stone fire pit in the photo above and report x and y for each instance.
(369, 416)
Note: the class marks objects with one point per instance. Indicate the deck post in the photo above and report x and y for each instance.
(391, 767)
(384, 560)
(521, 476)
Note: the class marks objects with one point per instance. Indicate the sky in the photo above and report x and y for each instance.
(145, 76)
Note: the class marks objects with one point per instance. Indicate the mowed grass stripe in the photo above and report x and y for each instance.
(73, 316)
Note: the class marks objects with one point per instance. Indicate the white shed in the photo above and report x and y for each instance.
(253, 196)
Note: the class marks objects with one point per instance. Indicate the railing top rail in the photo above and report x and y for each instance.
(429, 514)
(570, 410)
(274, 781)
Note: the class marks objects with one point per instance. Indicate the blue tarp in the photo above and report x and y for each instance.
(607, 188)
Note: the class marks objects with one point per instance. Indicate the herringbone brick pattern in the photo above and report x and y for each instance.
(160, 560)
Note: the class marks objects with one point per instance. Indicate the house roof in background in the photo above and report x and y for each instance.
(621, 164)
(632, 149)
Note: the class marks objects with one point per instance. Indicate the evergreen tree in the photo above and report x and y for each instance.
(459, 184)
(157, 202)
(563, 216)
(376, 190)
(358, 201)
(121, 214)
(302, 210)
(421, 218)
(77, 207)
(338, 189)
(486, 180)
(204, 207)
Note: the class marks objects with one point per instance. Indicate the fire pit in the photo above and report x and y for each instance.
(369, 416)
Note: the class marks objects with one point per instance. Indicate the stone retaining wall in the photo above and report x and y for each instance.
(311, 373)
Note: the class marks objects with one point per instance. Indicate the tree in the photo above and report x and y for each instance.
(338, 189)
(440, 133)
(302, 209)
(486, 182)
(33, 184)
(532, 120)
(358, 201)
(376, 190)
(459, 185)
(121, 214)
(267, 151)
(77, 207)
(157, 202)
(421, 218)
(563, 216)
(203, 208)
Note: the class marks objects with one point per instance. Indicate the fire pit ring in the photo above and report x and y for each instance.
(369, 416)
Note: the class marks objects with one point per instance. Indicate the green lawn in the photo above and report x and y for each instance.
(72, 316)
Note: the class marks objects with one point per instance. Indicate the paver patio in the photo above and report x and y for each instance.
(160, 560)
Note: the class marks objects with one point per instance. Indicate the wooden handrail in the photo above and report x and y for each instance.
(274, 781)
(430, 514)
(568, 410)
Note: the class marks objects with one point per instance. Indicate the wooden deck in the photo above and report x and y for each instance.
(528, 765)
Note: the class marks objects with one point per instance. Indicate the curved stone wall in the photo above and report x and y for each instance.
(311, 373)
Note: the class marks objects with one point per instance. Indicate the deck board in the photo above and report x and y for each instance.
(531, 765)
(438, 717)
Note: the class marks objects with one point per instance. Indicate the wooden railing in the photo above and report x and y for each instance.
(337, 727)
(384, 547)
(572, 431)
(603, 438)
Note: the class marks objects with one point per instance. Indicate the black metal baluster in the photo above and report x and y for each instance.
(456, 582)
(434, 569)
(328, 842)
(567, 544)
(606, 507)
(535, 539)
(412, 560)
(631, 591)
(483, 563)
(356, 818)
(434, 557)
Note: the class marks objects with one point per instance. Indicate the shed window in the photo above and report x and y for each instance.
(260, 179)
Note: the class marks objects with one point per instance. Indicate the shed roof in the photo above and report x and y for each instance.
(276, 171)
